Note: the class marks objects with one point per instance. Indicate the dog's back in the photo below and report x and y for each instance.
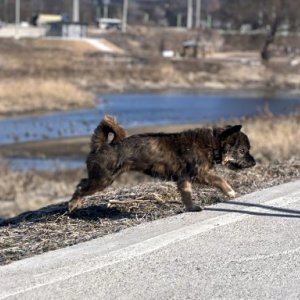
(163, 155)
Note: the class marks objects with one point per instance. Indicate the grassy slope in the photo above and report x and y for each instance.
(37, 75)
(132, 200)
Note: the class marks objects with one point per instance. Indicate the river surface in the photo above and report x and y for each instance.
(134, 110)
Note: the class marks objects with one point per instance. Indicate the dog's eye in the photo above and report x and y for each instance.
(242, 151)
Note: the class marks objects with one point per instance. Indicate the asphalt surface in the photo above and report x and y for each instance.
(245, 248)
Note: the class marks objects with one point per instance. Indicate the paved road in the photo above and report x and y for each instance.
(246, 248)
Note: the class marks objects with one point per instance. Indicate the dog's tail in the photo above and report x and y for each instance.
(108, 125)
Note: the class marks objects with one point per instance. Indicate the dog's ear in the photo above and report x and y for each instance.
(229, 130)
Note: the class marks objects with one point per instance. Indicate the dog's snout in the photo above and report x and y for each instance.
(251, 161)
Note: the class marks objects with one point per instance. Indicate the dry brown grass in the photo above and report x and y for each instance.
(82, 68)
(23, 191)
(274, 137)
(34, 95)
(117, 208)
(40, 75)
(273, 140)
(133, 199)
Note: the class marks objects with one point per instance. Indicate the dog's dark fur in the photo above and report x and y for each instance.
(185, 158)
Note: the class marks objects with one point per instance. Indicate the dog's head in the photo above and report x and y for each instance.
(235, 148)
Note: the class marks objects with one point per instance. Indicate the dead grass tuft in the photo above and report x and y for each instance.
(23, 191)
(132, 199)
(29, 95)
(274, 137)
(51, 227)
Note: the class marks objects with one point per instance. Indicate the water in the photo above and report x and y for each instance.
(44, 164)
(148, 109)
(135, 110)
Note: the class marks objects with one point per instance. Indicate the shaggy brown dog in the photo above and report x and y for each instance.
(184, 157)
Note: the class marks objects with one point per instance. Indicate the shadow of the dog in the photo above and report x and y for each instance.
(264, 210)
(95, 212)
(40, 215)
(54, 212)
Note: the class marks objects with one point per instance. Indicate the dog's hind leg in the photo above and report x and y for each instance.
(86, 187)
(185, 188)
(219, 182)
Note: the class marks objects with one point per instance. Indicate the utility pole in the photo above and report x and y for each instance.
(105, 8)
(5, 11)
(105, 11)
(198, 13)
(124, 17)
(189, 23)
(98, 11)
(17, 20)
(75, 10)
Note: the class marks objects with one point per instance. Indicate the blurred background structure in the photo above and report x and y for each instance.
(218, 14)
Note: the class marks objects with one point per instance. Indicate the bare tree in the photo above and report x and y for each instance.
(269, 39)
(270, 14)
(277, 11)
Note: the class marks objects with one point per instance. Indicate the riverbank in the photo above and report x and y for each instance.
(145, 109)
(272, 140)
(39, 196)
(40, 75)
(120, 207)
(74, 147)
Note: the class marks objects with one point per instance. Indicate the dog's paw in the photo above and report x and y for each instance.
(231, 194)
(179, 211)
(194, 208)
(73, 205)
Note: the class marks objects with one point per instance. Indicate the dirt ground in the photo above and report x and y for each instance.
(134, 198)
(117, 208)
(39, 75)
(272, 139)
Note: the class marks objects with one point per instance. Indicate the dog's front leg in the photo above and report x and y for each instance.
(219, 182)
(185, 189)
(76, 200)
